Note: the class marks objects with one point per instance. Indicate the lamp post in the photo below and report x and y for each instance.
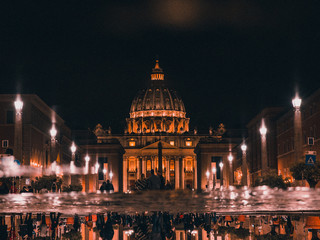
(111, 176)
(264, 157)
(230, 159)
(18, 104)
(214, 171)
(296, 103)
(208, 175)
(221, 173)
(73, 149)
(53, 134)
(244, 178)
(87, 160)
(104, 173)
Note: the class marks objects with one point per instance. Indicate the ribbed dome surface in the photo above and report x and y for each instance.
(157, 98)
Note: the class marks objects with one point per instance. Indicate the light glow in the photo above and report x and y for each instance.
(18, 104)
(296, 102)
(207, 174)
(53, 132)
(87, 158)
(230, 158)
(214, 170)
(110, 175)
(243, 147)
(221, 165)
(263, 129)
(73, 148)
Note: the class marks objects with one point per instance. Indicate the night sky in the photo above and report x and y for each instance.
(227, 59)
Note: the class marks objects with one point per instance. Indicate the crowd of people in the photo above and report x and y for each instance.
(154, 182)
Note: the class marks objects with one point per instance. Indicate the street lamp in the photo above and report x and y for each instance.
(87, 159)
(111, 175)
(18, 104)
(104, 173)
(214, 171)
(97, 167)
(244, 178)
(264, 158)
(296, 103)
(53, 132)
(208, 175)
(230, 159)
(73, 149)
(221, 173)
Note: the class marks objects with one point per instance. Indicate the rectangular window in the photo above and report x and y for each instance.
(172, 143)
(5, 143)
(217, 161)
(101, 161)
(132, 143)
(189, 143)
(10, 117)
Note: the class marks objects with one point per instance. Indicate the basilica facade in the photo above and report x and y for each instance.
(157, 136)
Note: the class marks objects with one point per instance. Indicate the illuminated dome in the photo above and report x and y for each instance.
(157, 104)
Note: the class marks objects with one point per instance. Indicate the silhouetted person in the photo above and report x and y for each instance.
(109, 186)
(54, 187)
(103, 187)
(24, 190)
(13, 188)
(54, 223)
(3, 228)
(3, 188)
(30, 189)
(154, 181)
(168, 185)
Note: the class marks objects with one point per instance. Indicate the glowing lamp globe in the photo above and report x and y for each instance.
(263, 130)
(53, 132)
(207, 174)
(296, 102)
(221, 165)
(230, 158)
(18, 104)
(73, 148)
(87, 158)
(214, 170)
(244, 147)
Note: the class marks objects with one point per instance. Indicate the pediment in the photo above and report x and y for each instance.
(155, 146)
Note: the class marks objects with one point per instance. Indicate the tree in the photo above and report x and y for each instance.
(310, 173)
(272, 180)
(46, 182)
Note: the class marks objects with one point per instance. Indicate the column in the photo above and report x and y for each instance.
(125, 172)
(138, 167)
(144, 166)
(244, 178)
(167, 161)
(176, 173)
(181, 165)
(195, 171)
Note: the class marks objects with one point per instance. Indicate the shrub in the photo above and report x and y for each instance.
(72, 188)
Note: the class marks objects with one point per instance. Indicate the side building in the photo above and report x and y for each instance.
(25, 123)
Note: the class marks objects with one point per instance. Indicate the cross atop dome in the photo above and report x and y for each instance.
(157, 72)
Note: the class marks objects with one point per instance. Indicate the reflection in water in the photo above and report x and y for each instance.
(158, 225)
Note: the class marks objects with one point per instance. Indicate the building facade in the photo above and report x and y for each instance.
(157, 137)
